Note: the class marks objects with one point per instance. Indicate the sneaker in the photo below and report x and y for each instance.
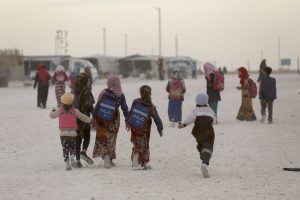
(204, 170)
(135, 160)
(270, 121)
(42, 105)
(78, 164)
(85, 157)
(147, 167)
(68, 167)
(112, 163)
(172, 123)
(72, 161)
(262, 120)
(107, 162)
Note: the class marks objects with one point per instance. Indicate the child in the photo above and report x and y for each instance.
(203, 117)
(267, 94)
(142, 110)
(83, 101)
(107, 117)
(68, 115)
(176, 89)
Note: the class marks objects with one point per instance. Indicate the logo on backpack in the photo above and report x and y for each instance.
(176, 89)
(219, 81)
(252, 88)
(106, 107)
(138, 116)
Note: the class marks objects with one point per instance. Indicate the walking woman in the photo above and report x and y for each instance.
(246, 111)
(213, 95)
(41, 80)
(107, 116)
(176, 89)
(59, 77)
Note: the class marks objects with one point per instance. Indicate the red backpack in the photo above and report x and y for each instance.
(219, 81)
(176, 89)
(252, 88)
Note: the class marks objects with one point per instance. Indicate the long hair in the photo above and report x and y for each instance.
(145, 92)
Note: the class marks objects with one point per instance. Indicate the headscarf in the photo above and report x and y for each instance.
(42, 72)
(114, 84)
(60, 68)
(81, 82)
(176, 74)
(209, 69)
(243, 74)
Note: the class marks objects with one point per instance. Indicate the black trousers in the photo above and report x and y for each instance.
(86, 133)
(68, 146)
(42, 95)
(265, 103)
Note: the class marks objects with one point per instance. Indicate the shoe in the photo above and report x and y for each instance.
(42, 105)
(172, 123)
(204, 170)
(112, 163)
(147, 167)
(270, 121)
(85, 157)
(68, 167)
(78, 164)
(72, 161)
(135, 160)
(107, 162)
(262, 120)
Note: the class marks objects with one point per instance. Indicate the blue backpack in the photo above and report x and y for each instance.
(106, 107)
(138, 116)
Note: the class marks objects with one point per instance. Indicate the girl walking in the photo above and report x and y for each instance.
(139, 122)
(59, 77)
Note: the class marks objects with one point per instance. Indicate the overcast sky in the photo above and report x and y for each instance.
(230, 32)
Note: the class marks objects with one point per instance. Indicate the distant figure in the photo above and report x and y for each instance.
(161, 70)
(261, 69)
(139, 121)
(87, 70)
(246, 111)
(213, 95)
(41, 80)
(59, 77)
(267, 94)
(194, 70)
(176, 89)
(68, 116)
(224, 70)
(203, 118)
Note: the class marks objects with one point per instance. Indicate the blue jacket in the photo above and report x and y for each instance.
(267, 89)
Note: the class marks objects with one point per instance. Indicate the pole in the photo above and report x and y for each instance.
(176, 46)
(104, 41)
(159, 30)
(125, 44)
(279, 61)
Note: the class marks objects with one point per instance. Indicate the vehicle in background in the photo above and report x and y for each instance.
(183, 64)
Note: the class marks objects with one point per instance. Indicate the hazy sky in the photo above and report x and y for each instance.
(231, 32)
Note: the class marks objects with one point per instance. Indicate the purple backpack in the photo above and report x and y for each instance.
(252, 88)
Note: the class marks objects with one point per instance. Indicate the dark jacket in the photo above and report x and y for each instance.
(41, 83)
(213, 95)
(203, 130)
(267, 89)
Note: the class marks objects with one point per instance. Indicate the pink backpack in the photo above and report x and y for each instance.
(67, 119)
(176, 89)
(219, 81)
(252, 88)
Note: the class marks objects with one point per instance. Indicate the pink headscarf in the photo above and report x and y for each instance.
(114, 84)
(209, 69)
(42, 72)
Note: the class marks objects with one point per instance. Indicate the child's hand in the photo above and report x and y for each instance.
(127, 127)
(160, 133)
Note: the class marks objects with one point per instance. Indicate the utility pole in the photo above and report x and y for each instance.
(125, 44)
(61, 42)
(279, 59)
(176, 45)
(104, 41)
(159, 30)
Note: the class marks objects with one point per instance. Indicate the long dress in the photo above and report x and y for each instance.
(246, 111)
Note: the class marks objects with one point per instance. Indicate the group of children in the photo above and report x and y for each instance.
(75, 122)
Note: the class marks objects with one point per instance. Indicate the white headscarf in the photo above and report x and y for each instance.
(60, 68)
